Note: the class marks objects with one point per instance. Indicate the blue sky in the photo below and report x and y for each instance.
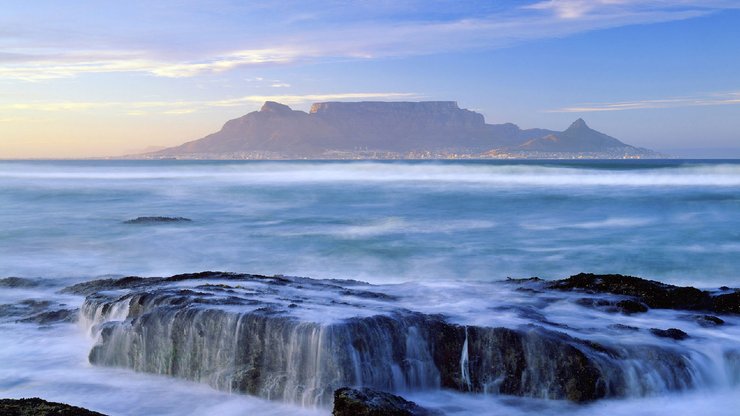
(93, 78)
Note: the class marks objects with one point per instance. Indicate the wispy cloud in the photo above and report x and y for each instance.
(36, 68)
(574, 9)
(309, 98)
(729, 98)
(578, 9)
(178, 107)
(314, 34)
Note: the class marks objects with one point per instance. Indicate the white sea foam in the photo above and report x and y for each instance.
(52, 361)
(304, 172)
(587, 225)
(447, 229)
(720, 402)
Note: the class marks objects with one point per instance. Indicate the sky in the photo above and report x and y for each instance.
(104, 78)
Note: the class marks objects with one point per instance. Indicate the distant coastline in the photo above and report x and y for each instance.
(379, 155)
(374, 130)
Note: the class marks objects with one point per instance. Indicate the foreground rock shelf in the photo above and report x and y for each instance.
(298, 339)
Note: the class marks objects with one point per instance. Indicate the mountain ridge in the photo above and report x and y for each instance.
(396, 130)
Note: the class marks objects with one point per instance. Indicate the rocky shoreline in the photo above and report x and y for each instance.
(299, 340)
(362, 347)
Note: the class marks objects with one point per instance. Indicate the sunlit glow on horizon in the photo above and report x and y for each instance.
(134, 75)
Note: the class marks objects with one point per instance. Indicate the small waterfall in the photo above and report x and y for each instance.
(267, 352)
(419, 363)
(97, 310)
(275, 357)
(465, 364)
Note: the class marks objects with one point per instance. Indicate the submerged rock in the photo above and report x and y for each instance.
(52, 317)
(18, 282)
(157, 220)
(673, 333)
(631, 306)
(369, 402)
(708, 320)
(622, 327)
(39, 407)
(42, 312)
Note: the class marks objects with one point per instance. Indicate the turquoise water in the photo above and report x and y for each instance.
(675, 220)
(438, 223)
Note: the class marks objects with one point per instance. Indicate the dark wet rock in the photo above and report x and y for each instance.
(42, 312)
(593, 302)
(23, 308)
(673, 333)
(18, 282)
(625, 306)
(727, 303)
(708, 320)
(530, 284)
(527, 289)
(369, 402)
(527, 312)
(236, 278)
(39, 407)
(369, 295)
(599, 347)
(36, 304)
(52, 317)
(651, 293)
(88, 288)
(157, 220)
(631, 306)
(523, 279)
(9, 309)
(269, 336)
(622, 327)
(348, 282)
(132, 282)
(520, 360)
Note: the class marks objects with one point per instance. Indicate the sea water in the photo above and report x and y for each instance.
(62, 222)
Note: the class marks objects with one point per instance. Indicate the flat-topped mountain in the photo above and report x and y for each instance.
(374, 129)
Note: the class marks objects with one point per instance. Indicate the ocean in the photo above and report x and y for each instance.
(403, 223)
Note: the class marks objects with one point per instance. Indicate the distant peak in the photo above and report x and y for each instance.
(578, 124)
(274, 107)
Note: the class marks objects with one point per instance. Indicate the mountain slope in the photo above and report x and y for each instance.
(576, 138)
(274, 128)
(387, 129)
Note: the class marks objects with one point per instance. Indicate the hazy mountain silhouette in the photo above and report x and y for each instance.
(403, 128)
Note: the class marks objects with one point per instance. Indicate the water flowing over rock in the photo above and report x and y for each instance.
(298, 340)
